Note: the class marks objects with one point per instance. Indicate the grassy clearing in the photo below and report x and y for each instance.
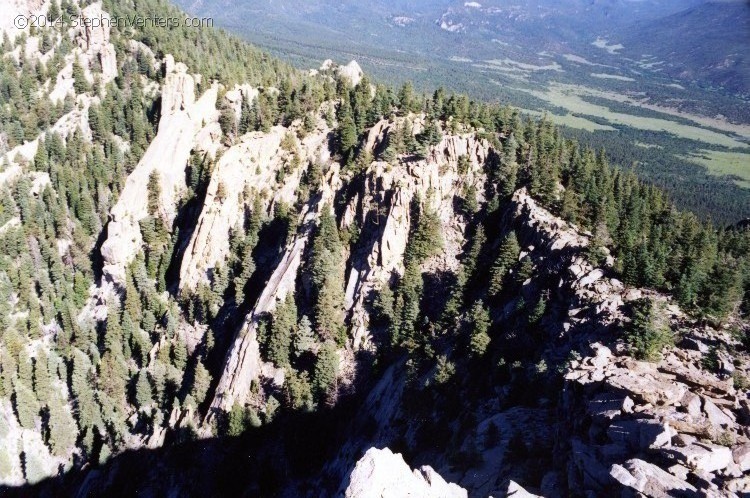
(722, 163)
(605, 76)
(569, 97)
(570, 121)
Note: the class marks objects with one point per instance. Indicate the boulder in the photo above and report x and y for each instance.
(715, 415)
(650, 480)
(702, 457)
(692, 404)
(741, 456)
(515, 490)
(694, 344)
(641, 434)
(609, 406)
(383, 474)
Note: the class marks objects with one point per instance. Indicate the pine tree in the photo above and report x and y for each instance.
(328, 278)
(479, 320)
(506, 258)
(298, 392)
(80, 83)
(201, 383)
(26, 405)
(282, 327)
(304, 339)
(648, 333)
(42, 380)
(144, 394)
(154, 192)
(63, 430)
(179, 354)
(326, 372)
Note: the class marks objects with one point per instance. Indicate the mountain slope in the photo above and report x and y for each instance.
(714, 53)
(299, 267)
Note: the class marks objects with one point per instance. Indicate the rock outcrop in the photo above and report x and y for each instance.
(252, 166)
(183, 119)
(383, 474)
(386, 203)
(94, 41)
(15, 8)
(352, 72)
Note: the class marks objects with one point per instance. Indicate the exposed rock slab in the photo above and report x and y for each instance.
(383, 474)
(182, 119)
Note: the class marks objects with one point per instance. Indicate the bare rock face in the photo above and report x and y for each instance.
(383, 474)
(597, 299)
(77, 119)
(351, 71)
(94, 40)
(24, 455)
(182, 120)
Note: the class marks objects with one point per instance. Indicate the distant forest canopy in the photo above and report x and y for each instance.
(510, 53)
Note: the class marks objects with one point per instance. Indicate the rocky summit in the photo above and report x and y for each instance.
(226, 276)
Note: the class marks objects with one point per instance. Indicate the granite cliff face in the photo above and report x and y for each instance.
(186, 124)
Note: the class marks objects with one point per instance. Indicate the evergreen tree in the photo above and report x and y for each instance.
(154, 193)
(328, 278)
(506, 258)
(282, 328)
(63, 430)
(479, 320)
(144, 395)
(26, 405)
(326, 372)
(80, 83)
(201, 383)
(304, 339)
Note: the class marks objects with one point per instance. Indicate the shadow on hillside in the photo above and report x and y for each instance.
(261, 462)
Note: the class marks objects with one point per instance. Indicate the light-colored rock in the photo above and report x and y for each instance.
(515, 490)
(609, 405)
(641, 434)
(243, 363)
(94, 40)
(694, 344)
(692, 404)
(649, 479)
(351, 71)
(182, 119)
(741, 456)
(649, 388)
(715, 415)
(383, 474)
(437, 181)
(14, 8)
(703, 457)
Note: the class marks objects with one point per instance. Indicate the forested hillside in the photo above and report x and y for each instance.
(619, 75)
(205, 244)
